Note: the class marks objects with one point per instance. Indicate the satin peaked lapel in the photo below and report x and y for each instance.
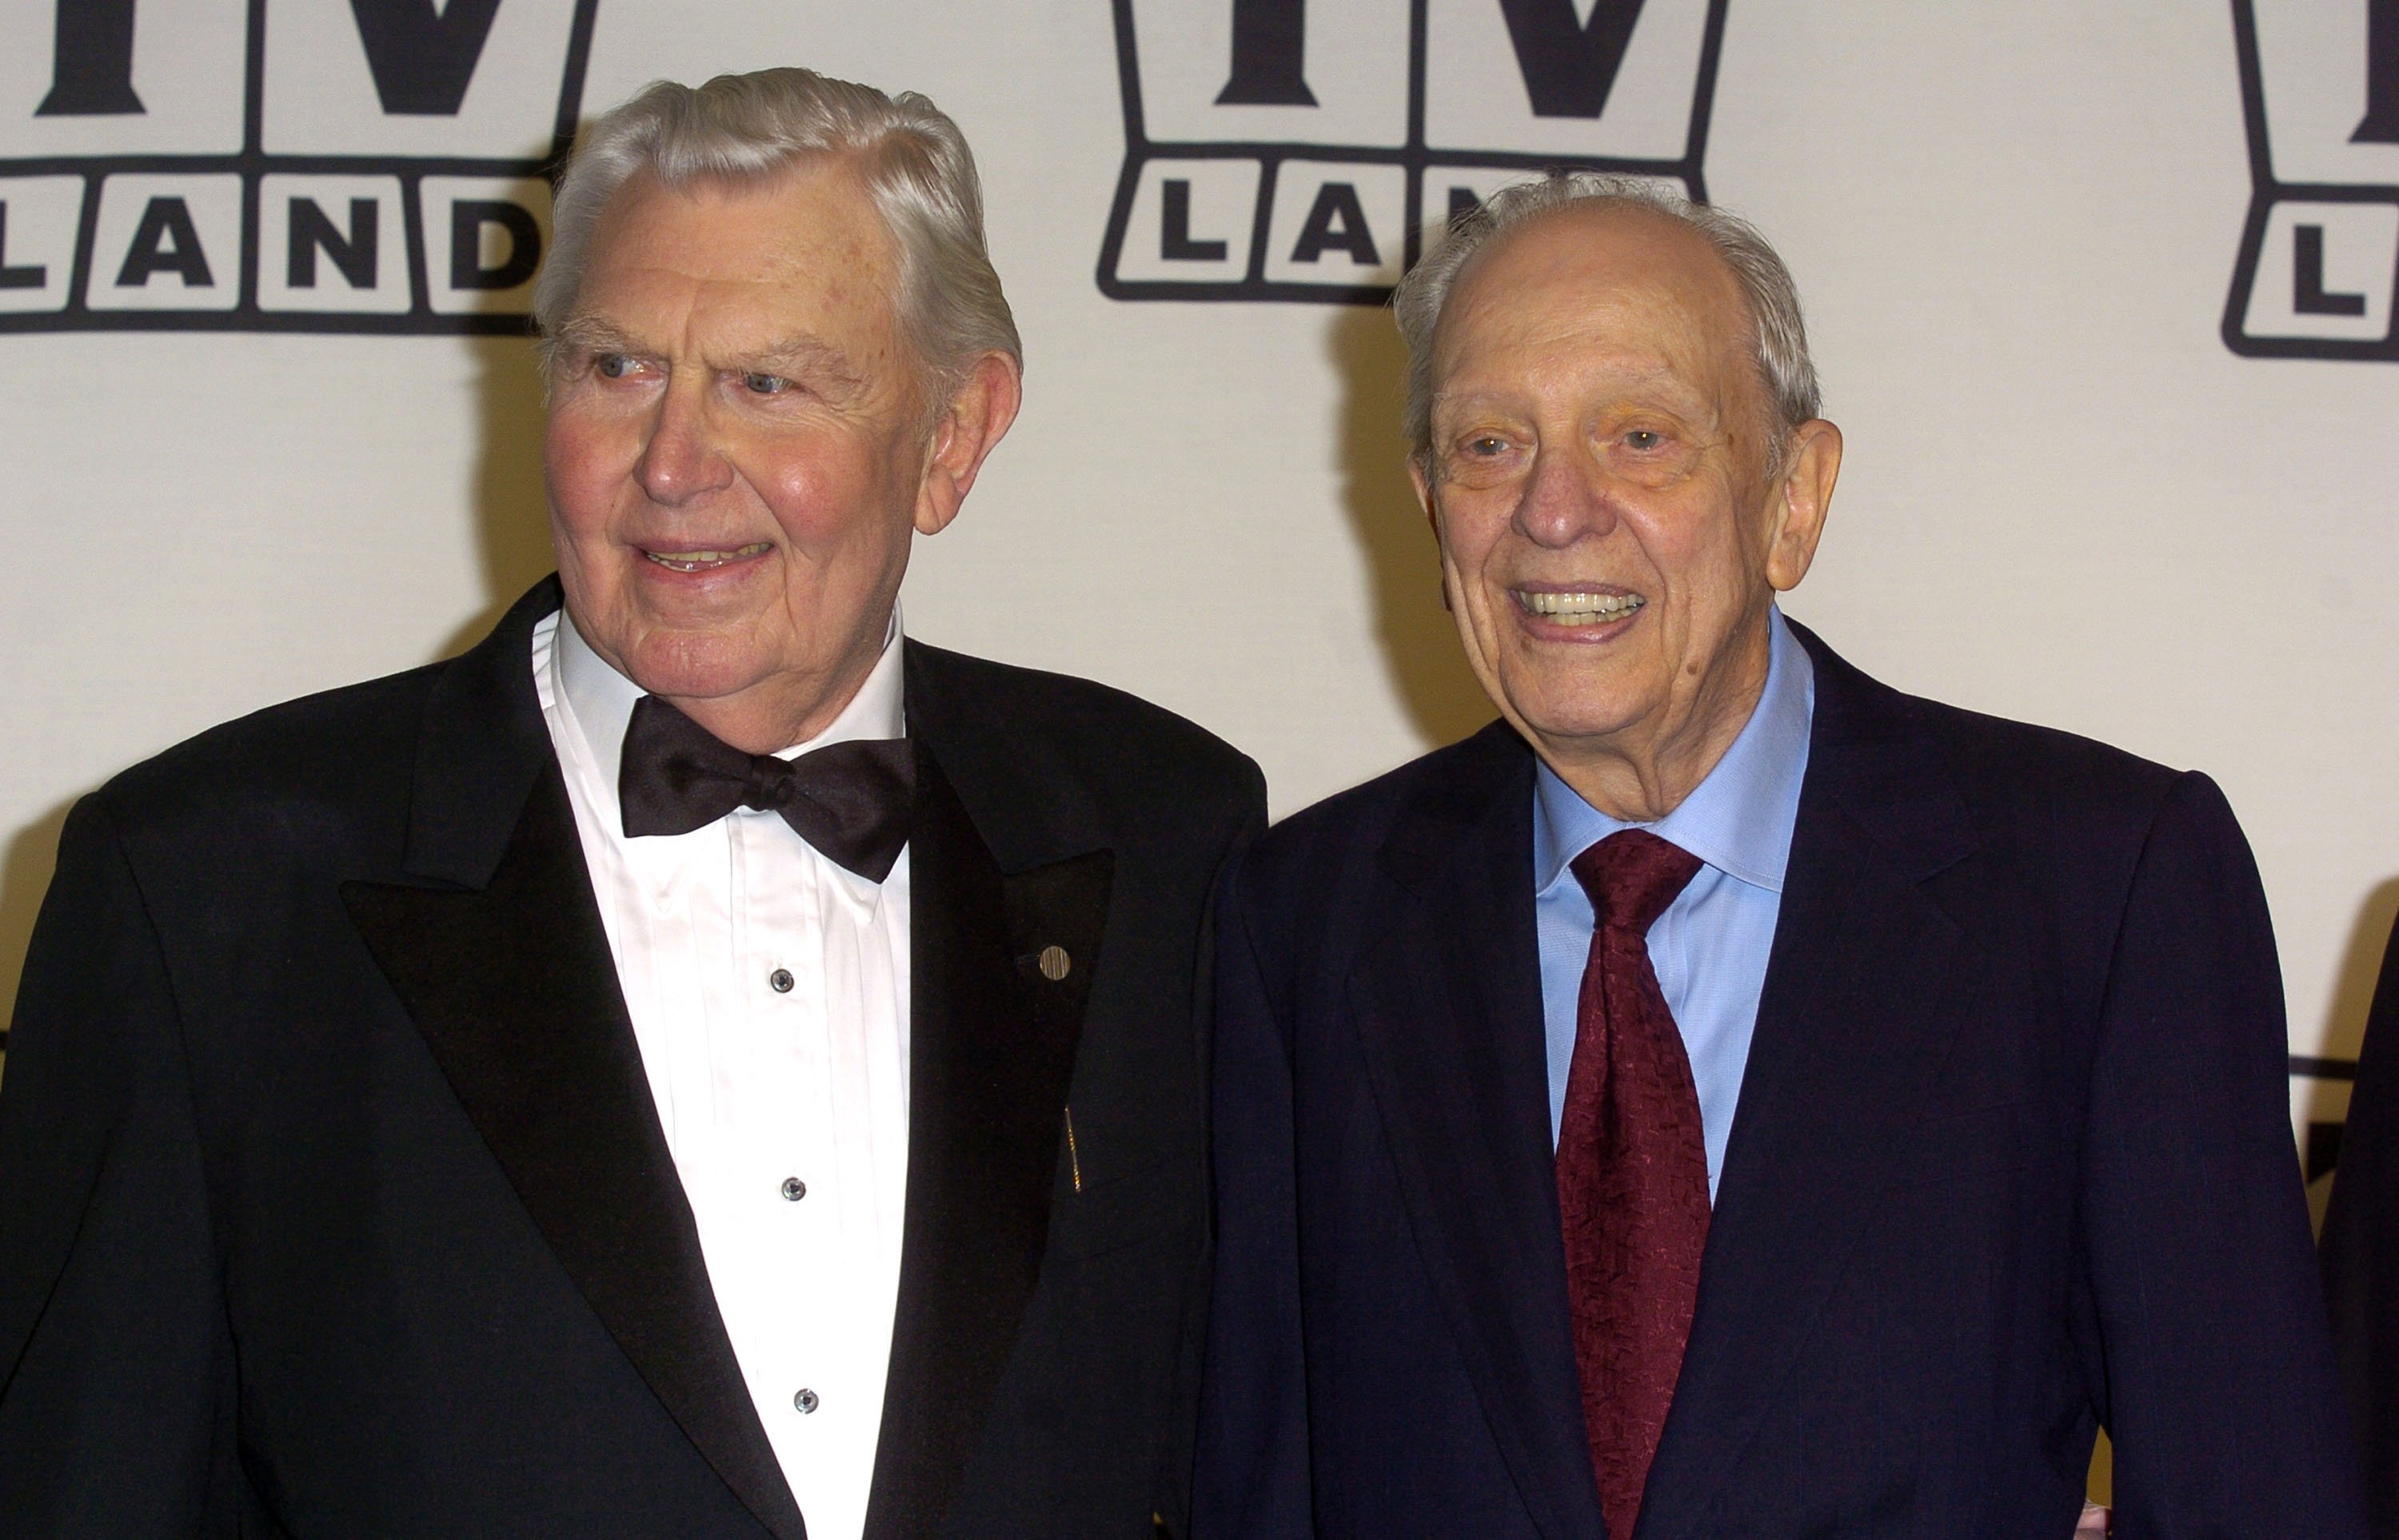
(1865, 979)
(515, 991)
(1448, 1008)
(992, 1042)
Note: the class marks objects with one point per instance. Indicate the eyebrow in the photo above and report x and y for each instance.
(821, 362)
(589, 333)
(818, 358)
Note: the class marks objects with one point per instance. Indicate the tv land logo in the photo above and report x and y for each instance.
(1303, 150)
(2319, 260)
(281, 165)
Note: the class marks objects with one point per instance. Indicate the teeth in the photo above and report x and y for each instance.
(691, 561)
(1580, 609)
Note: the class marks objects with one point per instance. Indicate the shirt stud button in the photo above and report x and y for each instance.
(805, 1400)
(1054, 962)
(780, 981)
(794, 1189)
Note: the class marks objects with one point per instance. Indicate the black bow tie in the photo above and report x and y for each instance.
(853, 802)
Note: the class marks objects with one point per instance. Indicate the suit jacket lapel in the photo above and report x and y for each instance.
(1866, 973)
(1448, 1007)
(496, 951)
(1003, 946)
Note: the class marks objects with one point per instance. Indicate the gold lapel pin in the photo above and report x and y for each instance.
(1055, 962)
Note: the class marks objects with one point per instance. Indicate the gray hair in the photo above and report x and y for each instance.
(914, 162)
(1778, 333)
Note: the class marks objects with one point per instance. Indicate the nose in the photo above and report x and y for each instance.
(1562, 502)
(683, 459)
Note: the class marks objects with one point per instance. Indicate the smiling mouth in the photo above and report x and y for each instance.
(1577, 609)
(700, 561)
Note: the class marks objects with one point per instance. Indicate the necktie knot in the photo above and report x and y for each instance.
(772, 784)
(852, 802)
(1632, 876)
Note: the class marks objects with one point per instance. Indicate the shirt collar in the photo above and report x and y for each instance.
(1739, 819)
(600, 700)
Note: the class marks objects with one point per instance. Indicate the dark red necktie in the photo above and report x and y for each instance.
(1633, 1171)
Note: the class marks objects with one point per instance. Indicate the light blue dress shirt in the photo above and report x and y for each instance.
(1710, 946)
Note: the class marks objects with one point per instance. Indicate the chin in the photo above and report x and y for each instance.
(694, 666)
(1568, 721)
(1576, 703)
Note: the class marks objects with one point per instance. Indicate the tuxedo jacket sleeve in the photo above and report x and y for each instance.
(332, 1200)
(102, 1168)
(2013, 1162)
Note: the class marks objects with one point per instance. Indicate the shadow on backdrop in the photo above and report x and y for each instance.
(2325, 1104)
(2361, 965)
(1419, 642)
(510, 509)
(24, 877)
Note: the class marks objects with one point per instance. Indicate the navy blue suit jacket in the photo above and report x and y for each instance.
(2012, 1163)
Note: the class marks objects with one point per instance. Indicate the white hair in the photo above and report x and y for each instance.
(909, 156)
(1778, 333)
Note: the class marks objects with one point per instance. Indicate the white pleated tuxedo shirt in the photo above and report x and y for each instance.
(768, 990)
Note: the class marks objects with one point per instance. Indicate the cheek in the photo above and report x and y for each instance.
(1471, 526)
(806, 491)
(841, 503)
(583, 473)
(1691, 542)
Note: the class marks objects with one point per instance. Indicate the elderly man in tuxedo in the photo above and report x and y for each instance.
(699, 1059)
(1728, 1096)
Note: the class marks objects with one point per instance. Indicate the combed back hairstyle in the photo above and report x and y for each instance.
(1777, 332)
(910, 157)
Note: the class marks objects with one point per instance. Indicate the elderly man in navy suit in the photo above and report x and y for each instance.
(1728, 1096)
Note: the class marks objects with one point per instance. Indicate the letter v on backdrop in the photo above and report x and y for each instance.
(1304, 149)
(2317, 270)
(283, 165)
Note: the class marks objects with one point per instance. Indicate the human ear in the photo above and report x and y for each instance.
(1803, 496)
(970, 426)
(1417, 478)
(1421, 478)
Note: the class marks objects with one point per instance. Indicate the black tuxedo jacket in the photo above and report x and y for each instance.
(2012, 1161)
(332, 1200)
(2361, 1252)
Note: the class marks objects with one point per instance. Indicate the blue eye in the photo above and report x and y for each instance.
(613, 366)
(1643, 439)
(765, 385)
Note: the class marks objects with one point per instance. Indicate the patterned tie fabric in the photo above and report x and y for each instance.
(1633, 1171)
(853, 802)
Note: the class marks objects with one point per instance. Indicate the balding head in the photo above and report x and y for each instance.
(1774, 334)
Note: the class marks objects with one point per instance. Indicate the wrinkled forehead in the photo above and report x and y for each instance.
(808, 232)
(1599, 279)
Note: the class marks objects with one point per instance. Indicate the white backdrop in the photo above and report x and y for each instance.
(2068, 498)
